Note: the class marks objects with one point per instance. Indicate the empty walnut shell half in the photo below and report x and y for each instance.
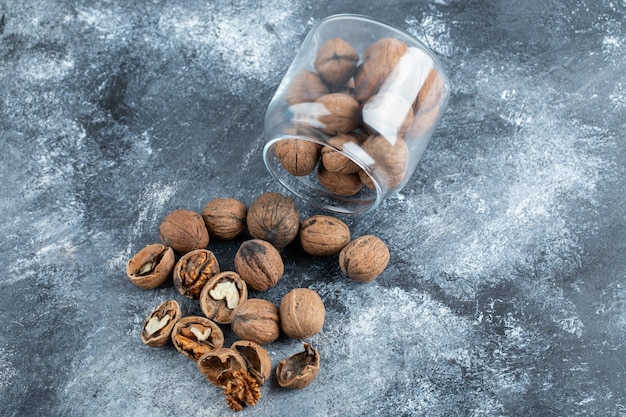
(216, 363)
(259, 264)
(257, 359)
(221, 295)
(364, 258)
(184, 231)
(301, 313)
(323, 235)
(151, 266)
(193, 270)
(257, 320)
(299, 370)
(193, 336)
(273, 217)
(157, 328)
(225, 218)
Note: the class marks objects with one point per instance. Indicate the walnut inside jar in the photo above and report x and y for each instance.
(158, 326)
(221, 295)
(298, 156)
(193, 336)
(335, 63)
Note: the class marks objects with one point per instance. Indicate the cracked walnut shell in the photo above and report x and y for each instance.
(257, 320)
(151, 266)
(157, 328)
(221, 295)
(299, 370)
(184, 231)
(257, 359)
(323, 235)
(193, 270)
(301, 313)
(273, 217)
(193, 336)
(364, 259)
(225, 218)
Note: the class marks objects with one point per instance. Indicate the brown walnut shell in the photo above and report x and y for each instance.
(193, 336)
(388, 114)
(364, 259)
(341, 184)
(273, 217)
(193, 270)
(257, 320)
(157, 328)
(259, 264)
(427, 105)
(214, 364)
(366, 180)
(323, 235)
(299, 370)
(391, 159)
(341, 113)
(335, 161)
(301, 313)
(257, 359)
(221, 295)
(335, 63)
(379, 60)
(225, 218)
(151, 266)
(298, 156)
(304, 88)
(184, 231)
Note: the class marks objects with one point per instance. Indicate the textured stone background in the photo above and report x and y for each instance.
(506, 291)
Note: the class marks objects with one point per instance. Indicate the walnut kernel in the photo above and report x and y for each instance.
(193, 270)
(157, 328)
(221, 295)
(193, 336)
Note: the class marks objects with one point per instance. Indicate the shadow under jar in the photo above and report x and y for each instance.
(353, 114)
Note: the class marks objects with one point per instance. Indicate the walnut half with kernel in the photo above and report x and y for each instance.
(193, 270)
(159, 324)
(221, 295)
(194, 336)
(151, 266)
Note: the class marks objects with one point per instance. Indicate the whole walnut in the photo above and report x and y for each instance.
(341, 113)
(225, 218)
(366, 180)
(301, 313)
(391, 160)
(335, 161)
(364, 258)
(273, 217)
(341, 184)
(427, 105)
(323, 235)
(259, 264)
(257, 320)
(335, 63)
(305, 87)
(379, 60)
(184, 231)
(298, 156)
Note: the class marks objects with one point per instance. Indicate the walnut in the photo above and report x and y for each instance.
(216, 362)
(391, 160)
(366, 180)
(184, 231)
(341, 113)
(298, 156)
(273, 217)
(241, 388)
(225, 218)
(340, 184)
(193, 336)
(304, 88)
(257, 320)
(259, 264)
(379, 60)
(151, 266)
(221, 295)
(299, 370)
(193, 270)
(427, 104)
(335, 161)
(364, 258)
(157, 328)
(323, 235)
(388, 114)
(257, 359)
(301, 313)
(335, 63)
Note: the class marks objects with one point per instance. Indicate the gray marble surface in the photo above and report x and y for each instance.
(506, 291)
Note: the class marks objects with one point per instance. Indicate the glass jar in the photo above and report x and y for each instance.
(353, 114)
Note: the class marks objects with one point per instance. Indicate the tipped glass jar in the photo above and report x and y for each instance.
(353, 114)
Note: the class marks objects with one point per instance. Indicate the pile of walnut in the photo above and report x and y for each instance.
(345, 100)
(273, 221)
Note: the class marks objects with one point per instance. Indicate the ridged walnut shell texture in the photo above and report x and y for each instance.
(221, 296)
(184, 231)
(151, 266)
(343, 113)
(259, 264)
(157, 328)
(335, 63)
(301, 313)
(341, 184)
(391, 159)
(323, 235)
(257, 320)
(298, 156)
(379, 60)
(299, 370)
(364, 259)
(335, 161)
(225, 218)
(305, 87)
(194, 336)
(273, 217)
(257, 359)
(193, 270)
